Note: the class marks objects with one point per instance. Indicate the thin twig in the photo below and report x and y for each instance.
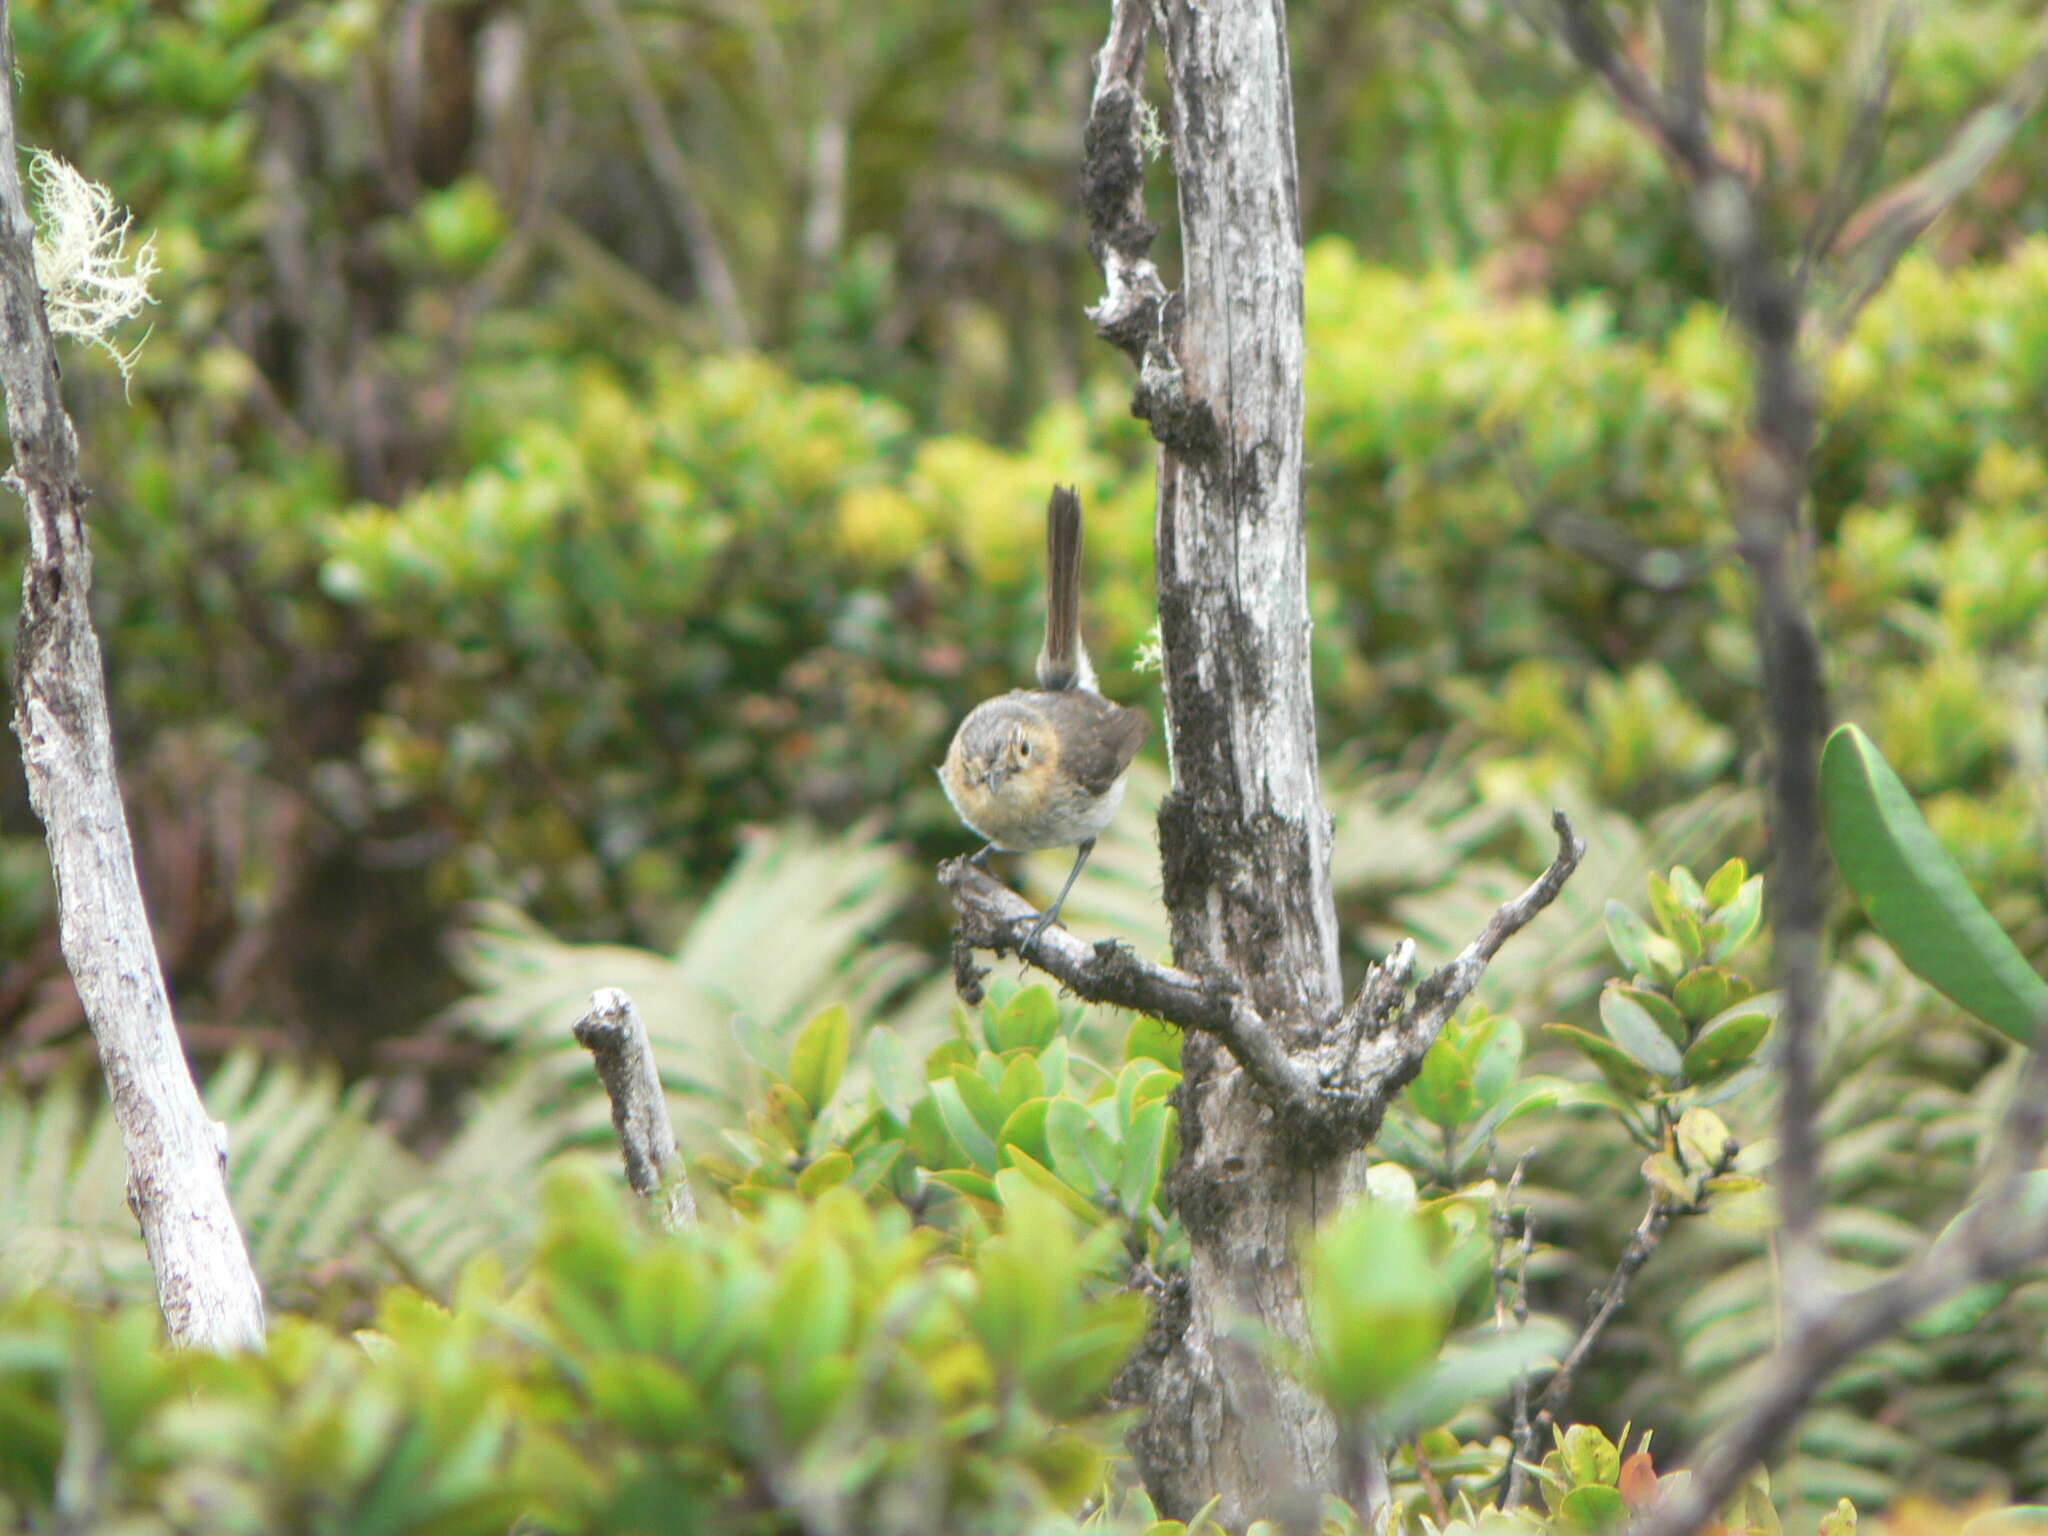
(671, 168)
(1888, 226)
(1685, 64)
(1860, 147)
(614, 1035)
(1394, 1048)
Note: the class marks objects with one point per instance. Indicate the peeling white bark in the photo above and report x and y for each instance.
(176, 1177)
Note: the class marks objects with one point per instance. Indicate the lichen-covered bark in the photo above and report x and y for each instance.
(176, 1180)
(1245, 839)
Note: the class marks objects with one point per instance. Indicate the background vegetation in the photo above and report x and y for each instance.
(483, 625)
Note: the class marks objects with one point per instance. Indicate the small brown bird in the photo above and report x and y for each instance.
(1044, 767)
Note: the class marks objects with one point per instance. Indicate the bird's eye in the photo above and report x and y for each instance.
(1023, 748)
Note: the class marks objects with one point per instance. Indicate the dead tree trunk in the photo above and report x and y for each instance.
(177, 1183)
(1282, 1084)
(1245, 839)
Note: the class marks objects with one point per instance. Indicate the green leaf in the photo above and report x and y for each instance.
(1029, 1021)
(1495, 1061)
(981, 1098)
(1081, 1150)
(1726, 1045)
(1376, 1306)
(1593, 1507)
(1737, 921)
(1075, 1203)
(966, 1181)
(1150, 1039)
(1632, 1028)
(896, 1080)
(832, 1168)
(1530, 1093)
(1915, 895)
(1025, 1128)
(1660, 1008)
(1616, 1065)
(1442, 1090)
(1726, 882)
(1679, 925)
(1589, 1456)
(818, 1059)
(1140, 1180)
(1629, 937)
(1472, 1372)
(974, 1143)
(1706, 991)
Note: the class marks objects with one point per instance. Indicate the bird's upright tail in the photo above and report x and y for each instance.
(1064, 662)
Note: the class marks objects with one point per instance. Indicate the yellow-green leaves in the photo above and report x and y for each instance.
(1916, 896)
(819, 1058)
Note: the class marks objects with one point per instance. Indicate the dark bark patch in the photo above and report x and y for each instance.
(1113, 177)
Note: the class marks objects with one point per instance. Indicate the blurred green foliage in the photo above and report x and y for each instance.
(484, 579)
(441, 555)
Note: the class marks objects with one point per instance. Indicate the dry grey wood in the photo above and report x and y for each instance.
(1243, 834)
(614, 1035)
(176, 1180)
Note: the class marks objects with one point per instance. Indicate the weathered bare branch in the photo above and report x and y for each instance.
(1394, 1048)
(177, 1184)
(1860, 148)
(994, 917)
(1682, 135)
(616, 1038)
(1887, 227)
(671, 169)
(1685, 65)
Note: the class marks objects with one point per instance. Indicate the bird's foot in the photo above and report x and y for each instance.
(1045, 921)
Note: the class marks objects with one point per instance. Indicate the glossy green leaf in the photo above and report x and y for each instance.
(1029, 1021)
(1630, 1026)
(1707, 990)
(1629, 937)
(1495, 1060)
(1660, 1008)
(1442, 1090)
(1616, 1065)
(1139, 1180)
(1915, 894)
(1726, 1046)
(1593, 1507)
(973, 1142)
(1737, 921)
(818, 1059)
(1725, 883)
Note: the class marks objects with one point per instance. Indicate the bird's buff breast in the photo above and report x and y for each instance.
(1024, 817)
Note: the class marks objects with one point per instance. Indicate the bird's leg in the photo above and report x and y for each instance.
(1051, 914)
(980, 860)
